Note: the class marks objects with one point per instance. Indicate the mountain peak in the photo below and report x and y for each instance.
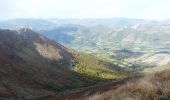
(20, 30)
(24, 38)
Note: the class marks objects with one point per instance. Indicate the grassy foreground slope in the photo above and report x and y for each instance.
(152, 86)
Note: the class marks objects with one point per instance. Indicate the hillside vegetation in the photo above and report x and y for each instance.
(32, 65)
(153, 86)
(90, 66)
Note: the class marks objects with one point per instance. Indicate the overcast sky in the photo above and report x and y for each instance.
(150, 9)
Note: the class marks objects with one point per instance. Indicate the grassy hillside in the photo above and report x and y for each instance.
(32, 65)
(153, 86)
(90, 66)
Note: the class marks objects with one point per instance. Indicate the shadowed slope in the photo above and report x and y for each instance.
(26, 71)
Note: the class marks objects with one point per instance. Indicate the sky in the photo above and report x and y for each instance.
(45, 9)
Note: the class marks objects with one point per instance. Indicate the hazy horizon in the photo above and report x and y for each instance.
(84, 9)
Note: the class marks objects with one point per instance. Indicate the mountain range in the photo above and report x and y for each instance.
(101, 37)
(59, 58)
(31, 66)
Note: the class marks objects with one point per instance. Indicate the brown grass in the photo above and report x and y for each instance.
(150, 87)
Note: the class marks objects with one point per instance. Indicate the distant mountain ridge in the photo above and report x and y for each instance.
(36, 24)
(103, 36)
(52, 23)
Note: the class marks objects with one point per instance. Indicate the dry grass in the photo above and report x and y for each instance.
(150, 87)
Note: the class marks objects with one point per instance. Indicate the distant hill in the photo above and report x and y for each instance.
(35, 24)
(101, 37)
(111, 22)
